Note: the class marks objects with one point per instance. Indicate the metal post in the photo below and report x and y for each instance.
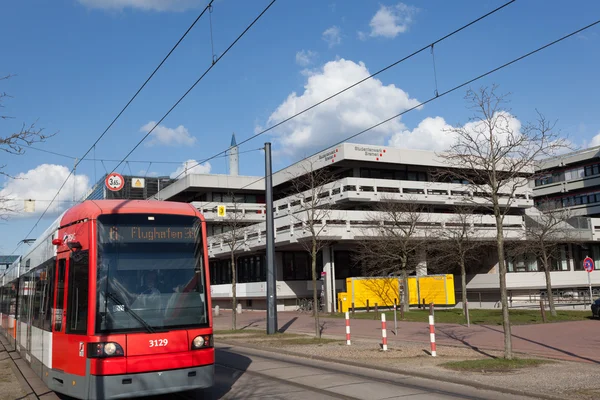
(332, 276)
(271, 273)
(395, 318)
(590, 285)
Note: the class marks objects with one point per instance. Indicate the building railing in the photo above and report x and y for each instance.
(356, 223)
(252, 212)
(385, 189)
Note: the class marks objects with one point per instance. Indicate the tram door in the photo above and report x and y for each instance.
(59, 356)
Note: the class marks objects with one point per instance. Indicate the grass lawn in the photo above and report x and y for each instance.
(481, 317)
(494, 364)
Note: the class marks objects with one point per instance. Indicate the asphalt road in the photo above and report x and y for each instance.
(251, 374)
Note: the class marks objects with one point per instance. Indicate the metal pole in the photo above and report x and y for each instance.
(395, 319)
(590, 285)
(74, 179)
(271, 273)
(332, 275)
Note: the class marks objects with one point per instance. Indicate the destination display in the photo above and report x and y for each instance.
(148, 234)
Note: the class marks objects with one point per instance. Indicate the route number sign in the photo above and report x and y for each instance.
(115, 182)
(588, 264)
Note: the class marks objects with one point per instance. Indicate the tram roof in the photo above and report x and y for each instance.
(93, 208)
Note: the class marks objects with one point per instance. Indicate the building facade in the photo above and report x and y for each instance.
(361, 176)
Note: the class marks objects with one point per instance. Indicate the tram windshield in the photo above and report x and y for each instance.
(150, 273)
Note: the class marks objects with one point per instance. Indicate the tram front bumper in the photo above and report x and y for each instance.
(150, 383)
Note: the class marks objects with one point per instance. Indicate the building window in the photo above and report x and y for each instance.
(248, 269)
(522, 263)
(345, 265)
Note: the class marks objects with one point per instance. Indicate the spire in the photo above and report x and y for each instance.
(233, 157)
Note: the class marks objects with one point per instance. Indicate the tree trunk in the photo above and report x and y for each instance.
(548, 283)
(405, 297)
(463, 277)
(233, 294)
(503, 293)
(313, 255)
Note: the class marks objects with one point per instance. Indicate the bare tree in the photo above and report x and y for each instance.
(310, 196)
(545, 235)
(456, 245)
(497, 159)
(235, 230)
(394, 242)
(15, 143)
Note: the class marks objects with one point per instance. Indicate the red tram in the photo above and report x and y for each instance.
(113, 301)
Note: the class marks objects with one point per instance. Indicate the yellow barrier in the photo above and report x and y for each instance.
(437, 289)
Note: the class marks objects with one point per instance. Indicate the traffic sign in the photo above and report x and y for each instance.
(114, 182)
(221, 210)
(138, 183)
(588, 264)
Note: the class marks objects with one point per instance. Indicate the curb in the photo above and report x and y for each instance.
(422, 375)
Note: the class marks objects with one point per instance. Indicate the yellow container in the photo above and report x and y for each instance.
(437, 289)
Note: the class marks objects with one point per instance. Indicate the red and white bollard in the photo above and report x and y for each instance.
(432, 335)
(347, 328)
(383, 332)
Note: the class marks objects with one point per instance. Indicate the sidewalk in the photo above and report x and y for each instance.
(17, 379)
(572, 341)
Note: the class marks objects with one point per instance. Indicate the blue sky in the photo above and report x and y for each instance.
(77, 62)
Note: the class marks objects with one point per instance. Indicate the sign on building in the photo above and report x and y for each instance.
(138, 183)
(115, 182)
(221, 211)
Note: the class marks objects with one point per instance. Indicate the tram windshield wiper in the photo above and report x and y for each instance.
(131, 312)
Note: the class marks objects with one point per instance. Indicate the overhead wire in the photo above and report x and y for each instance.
(216, 61)
(114, 160)
(437, 96)
(123, 109)
(365, 79)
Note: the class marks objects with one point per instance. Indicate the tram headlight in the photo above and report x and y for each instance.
(110, 349)
(104, 349)
(202, 342)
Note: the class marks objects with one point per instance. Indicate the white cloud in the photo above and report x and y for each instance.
(41, 184)
(146, 173)
(146, 5)
(179, 136)
(362, 106)
(191, 167)
(305, 57)
(390, 21)
(595, 141)
(332, 36)
(434, 133)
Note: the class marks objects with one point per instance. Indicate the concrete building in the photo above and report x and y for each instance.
(361, 176)
(6, 261)
(571, 181)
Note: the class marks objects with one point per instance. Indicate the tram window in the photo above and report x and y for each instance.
(60, 295)
(37, 297)
(77, 305)
(48, 305)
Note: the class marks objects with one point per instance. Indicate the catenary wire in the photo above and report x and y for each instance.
(365, 79)
(111, 160)
(455, 88)
(122, 111)
(196, 83)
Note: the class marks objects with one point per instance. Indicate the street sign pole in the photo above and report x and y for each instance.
(588, 265)
(590, 285)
